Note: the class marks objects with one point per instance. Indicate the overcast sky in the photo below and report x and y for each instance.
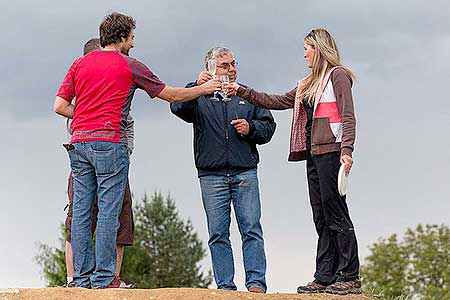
(399, 50)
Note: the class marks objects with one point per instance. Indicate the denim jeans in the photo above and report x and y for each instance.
(218, 192)
(98, 168)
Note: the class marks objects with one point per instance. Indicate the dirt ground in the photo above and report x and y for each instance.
(158, 294)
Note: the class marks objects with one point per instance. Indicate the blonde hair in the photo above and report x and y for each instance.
(326, 57)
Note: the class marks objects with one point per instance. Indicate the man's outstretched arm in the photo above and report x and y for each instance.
(176, 94)
(144, 79)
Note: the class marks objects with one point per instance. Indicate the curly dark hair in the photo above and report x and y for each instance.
(115, 27)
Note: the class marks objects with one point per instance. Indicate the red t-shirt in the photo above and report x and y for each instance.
(104, 83)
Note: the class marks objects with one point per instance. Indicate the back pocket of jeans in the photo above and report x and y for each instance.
(105, 161)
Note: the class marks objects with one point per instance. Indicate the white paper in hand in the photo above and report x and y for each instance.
(342, 181)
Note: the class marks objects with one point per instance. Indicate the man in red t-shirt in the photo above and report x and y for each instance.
(104, 83)
(125, 233)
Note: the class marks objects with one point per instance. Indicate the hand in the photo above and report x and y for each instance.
(231, 88)
(211, 86)
(203, 77)
(242, 126)
(348, 161)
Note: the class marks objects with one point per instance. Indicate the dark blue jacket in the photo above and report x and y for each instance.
(218, 148)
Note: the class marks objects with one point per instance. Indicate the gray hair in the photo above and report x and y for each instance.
(216, 52)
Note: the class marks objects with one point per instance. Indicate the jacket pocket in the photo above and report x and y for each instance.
(321, 132)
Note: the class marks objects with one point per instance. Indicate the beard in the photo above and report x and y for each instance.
(126, 50)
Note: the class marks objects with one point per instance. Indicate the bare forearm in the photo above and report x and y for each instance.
(63, 107)
(66, 112)
(177, 95)
(187, 94)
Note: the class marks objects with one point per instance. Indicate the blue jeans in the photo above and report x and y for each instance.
(98, 168)
(218, 192)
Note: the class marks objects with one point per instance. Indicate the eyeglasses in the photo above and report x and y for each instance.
(227, 66)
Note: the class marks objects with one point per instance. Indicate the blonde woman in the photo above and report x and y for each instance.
(323, 134)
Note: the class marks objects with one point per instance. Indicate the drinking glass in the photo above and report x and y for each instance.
(212, 69)
(225, 80)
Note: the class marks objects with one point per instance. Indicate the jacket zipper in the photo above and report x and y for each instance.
(227, 135)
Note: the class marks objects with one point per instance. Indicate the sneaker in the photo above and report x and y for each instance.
(256, 289)
(344, 287)
(118, 283)
(312, 287)
(70, 284)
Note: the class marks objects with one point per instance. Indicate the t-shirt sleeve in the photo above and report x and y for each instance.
(144, 79)
(67, 88)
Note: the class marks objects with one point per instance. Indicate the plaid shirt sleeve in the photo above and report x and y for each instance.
(144, 79)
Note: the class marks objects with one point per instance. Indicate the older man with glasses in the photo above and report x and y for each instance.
(226, 132)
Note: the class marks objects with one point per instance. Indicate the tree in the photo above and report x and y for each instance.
(166, 251)
(417, 266)
(53, 261)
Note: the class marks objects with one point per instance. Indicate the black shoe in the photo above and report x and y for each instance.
(344, 287)
(312, 287)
